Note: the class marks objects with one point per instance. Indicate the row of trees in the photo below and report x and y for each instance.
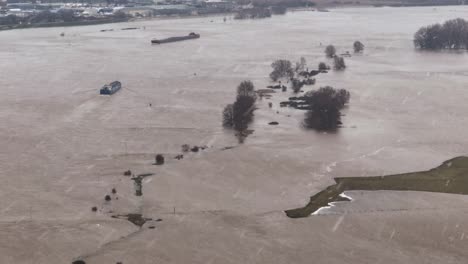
(330, 50)
(285, 69)
(240, 114)
(63, 15)
(324, 105)
(297, 75)
(338, 62)
(252, 13)
(452, 34)
(271, 3)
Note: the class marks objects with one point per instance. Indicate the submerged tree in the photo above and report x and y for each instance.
(228, 116)
(358, 46)
(246, 88)
(330, 51)
(325, 105)
(239, 114)
(339, 63)
(242, 111)
(281, 69)
(429, 37)
(453, 34)
(296, 85)
(301, 65)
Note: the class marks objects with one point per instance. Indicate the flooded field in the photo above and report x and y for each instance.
(64, 147)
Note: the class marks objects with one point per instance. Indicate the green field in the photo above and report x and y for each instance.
(450, 177)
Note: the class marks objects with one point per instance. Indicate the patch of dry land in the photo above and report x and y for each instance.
(64, 147)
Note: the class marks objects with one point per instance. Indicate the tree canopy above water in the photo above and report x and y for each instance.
(453, 34)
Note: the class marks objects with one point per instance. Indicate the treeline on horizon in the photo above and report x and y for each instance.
(62, 16)
(452, 34)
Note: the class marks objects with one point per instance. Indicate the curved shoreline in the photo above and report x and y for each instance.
(450, 177)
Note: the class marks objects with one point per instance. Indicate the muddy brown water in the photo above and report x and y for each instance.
(407, 110)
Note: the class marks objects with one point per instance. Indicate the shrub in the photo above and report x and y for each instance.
(339, 63)
(358, 46)
(330, 51)
(159, 159)
(107, 198)
(323, 67)
(185, 148)
(195, 149)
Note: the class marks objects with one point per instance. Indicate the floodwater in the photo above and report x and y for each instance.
(64, 146)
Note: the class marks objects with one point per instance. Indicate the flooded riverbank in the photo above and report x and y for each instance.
(65, 147)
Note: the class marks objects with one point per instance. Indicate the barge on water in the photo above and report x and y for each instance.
(175, 39)
(111, 88)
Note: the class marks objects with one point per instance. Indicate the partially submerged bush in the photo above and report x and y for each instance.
(330, 51)
(296, 85)
(281, 69)
(195, 149)
(358, 46)
(339, 63)
(185, 148)
(323, 67)
(159, 159)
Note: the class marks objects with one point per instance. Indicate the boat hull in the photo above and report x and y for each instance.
(175, 39)
(111, 88)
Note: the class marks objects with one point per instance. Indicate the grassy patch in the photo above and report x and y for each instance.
(450, 177)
